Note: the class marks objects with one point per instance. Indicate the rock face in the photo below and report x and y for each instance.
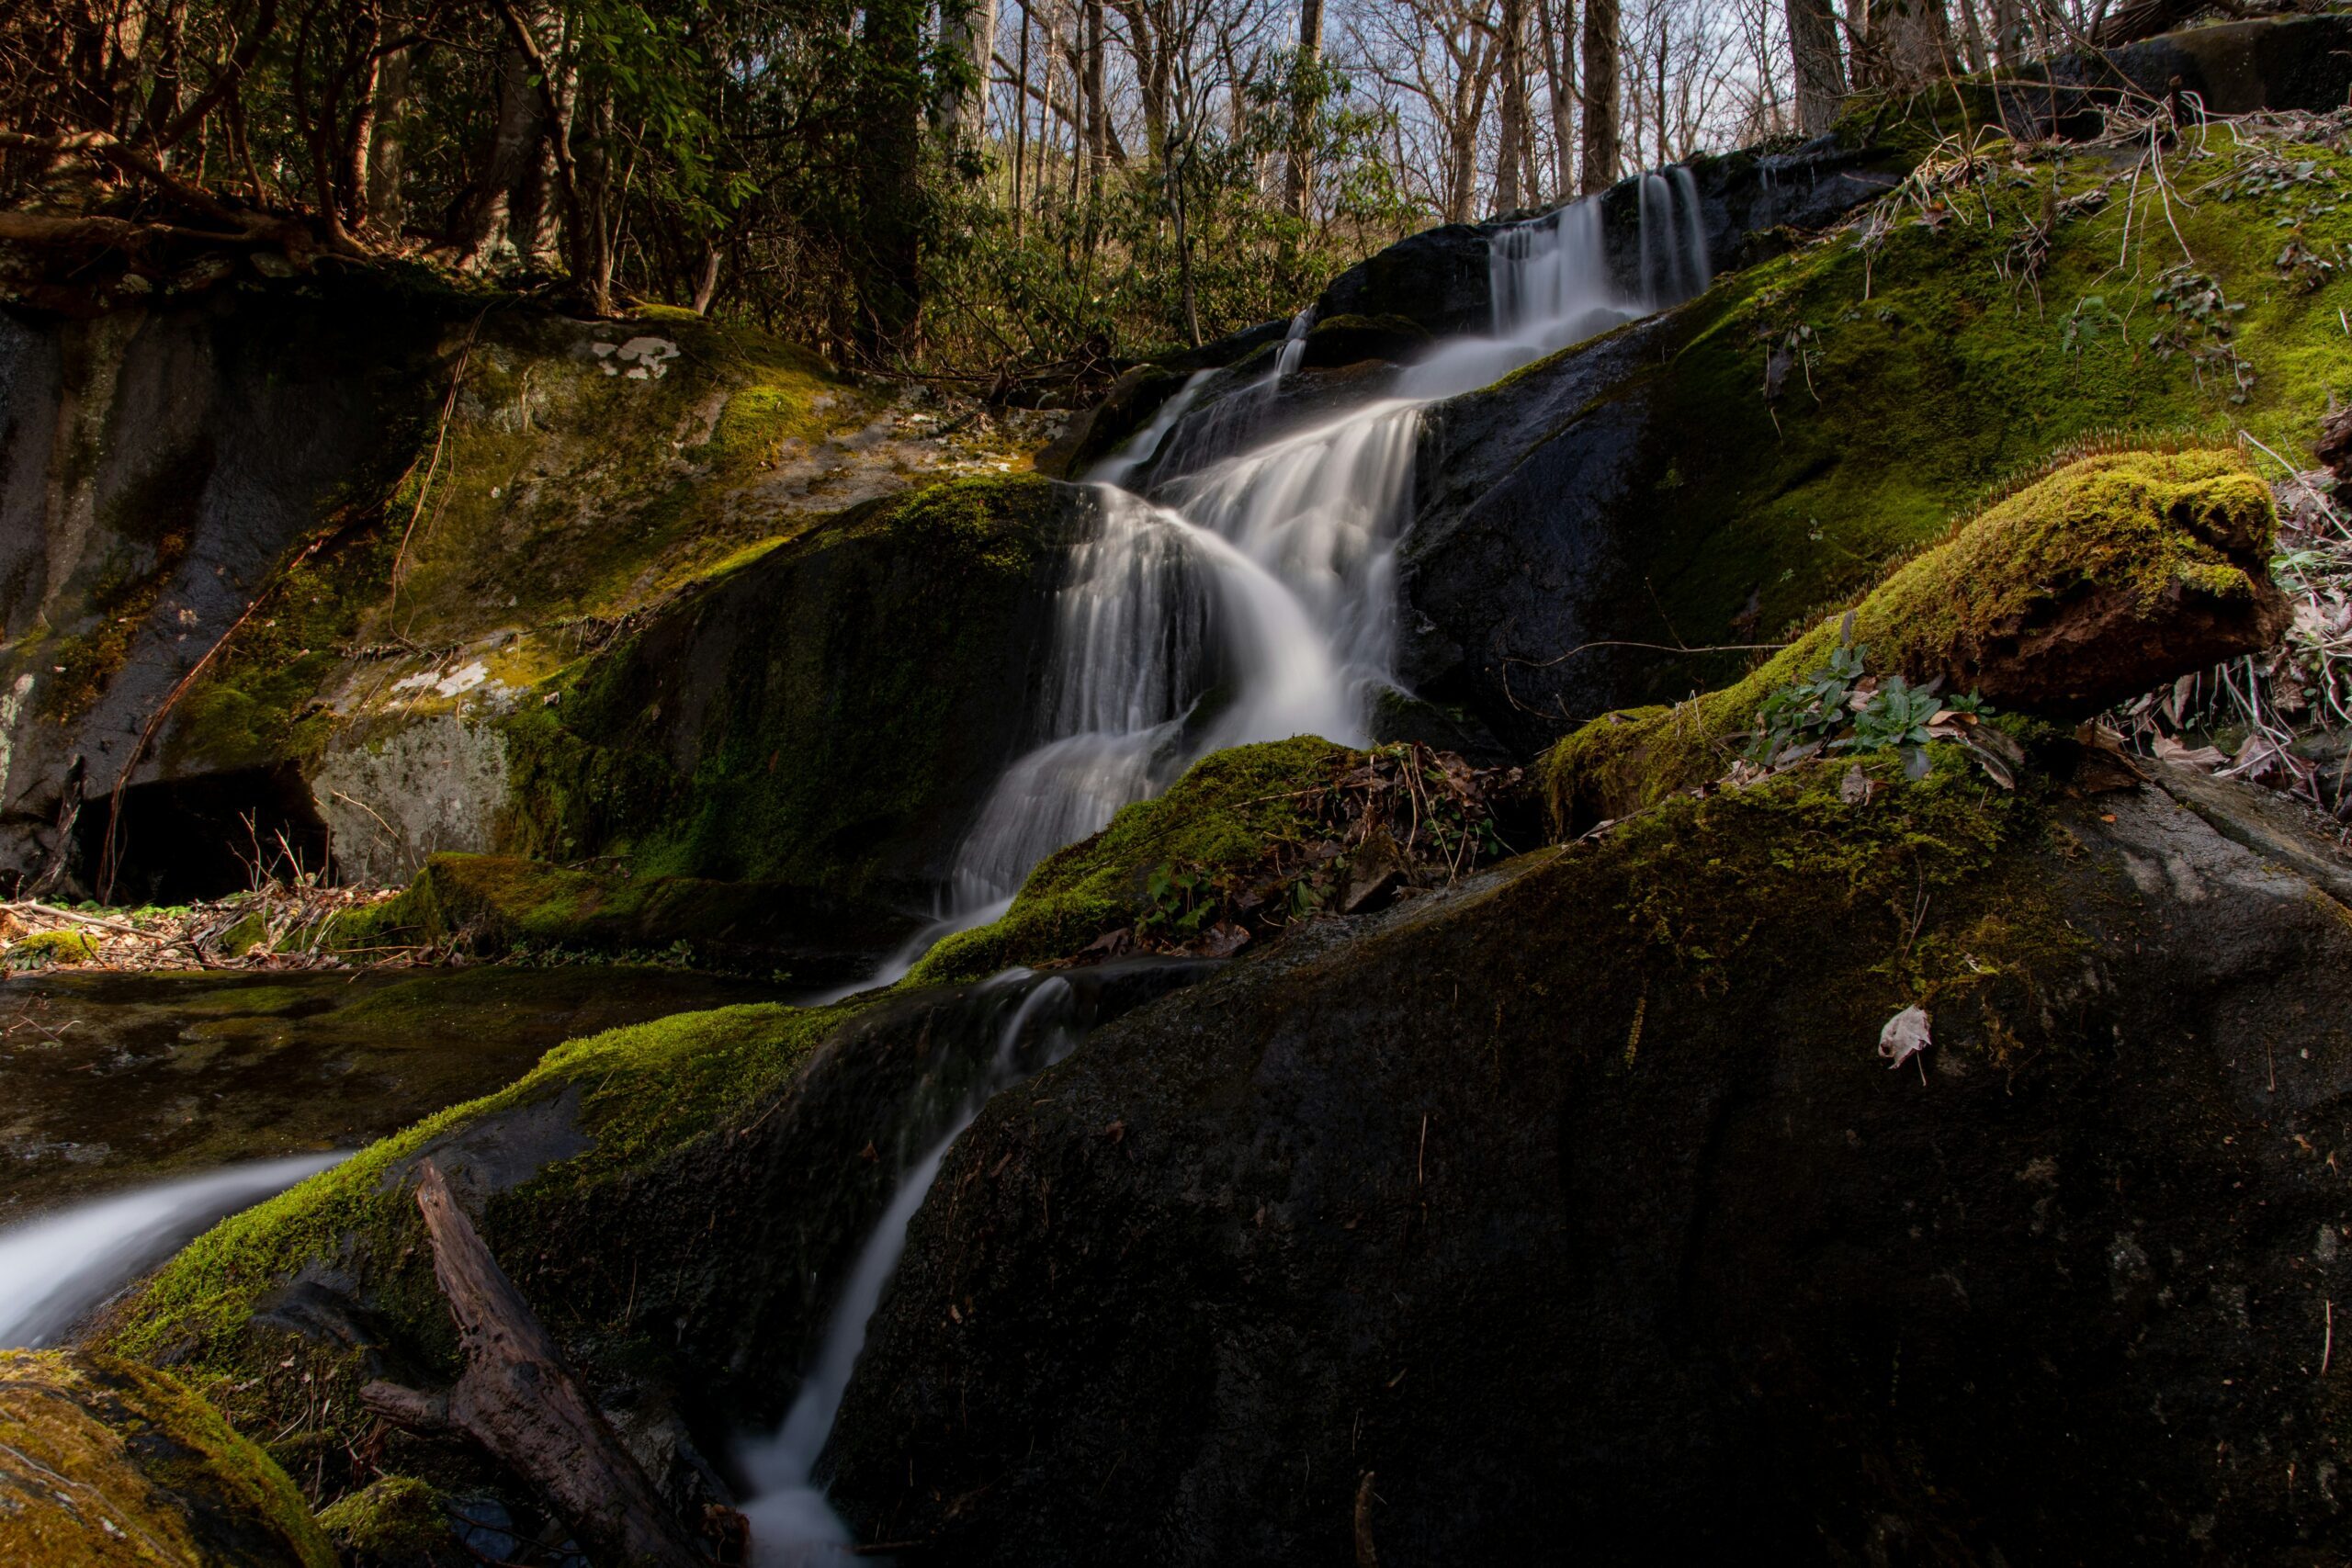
(1579, 1206)
(107, 1462)
(2283, 63)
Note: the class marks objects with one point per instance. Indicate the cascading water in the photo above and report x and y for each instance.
(53, 1270)
(791, 1522)
(1245, 597)
(1251, 596)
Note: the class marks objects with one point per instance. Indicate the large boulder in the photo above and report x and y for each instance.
(1580, 1206)
(105, 1463)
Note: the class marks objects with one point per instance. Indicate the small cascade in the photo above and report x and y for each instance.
(55, 1270)
(1247, 591)
(791, 1522)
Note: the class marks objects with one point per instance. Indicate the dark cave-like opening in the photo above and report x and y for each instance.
(182, 840)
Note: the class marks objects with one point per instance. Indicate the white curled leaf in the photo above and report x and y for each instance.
(1905, 1036)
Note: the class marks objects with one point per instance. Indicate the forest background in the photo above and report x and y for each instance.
(1002, 197)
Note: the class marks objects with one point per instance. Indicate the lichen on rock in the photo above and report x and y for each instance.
(103, 1461)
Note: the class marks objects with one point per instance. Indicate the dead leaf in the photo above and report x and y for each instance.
(1855, 788)
(1905, 1036)
(2206, 757)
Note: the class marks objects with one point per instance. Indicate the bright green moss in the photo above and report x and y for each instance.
(1936, 361)
(2145, 526)
(1223, 813)
(42, 949)
(393, 1517)
(639, 1090)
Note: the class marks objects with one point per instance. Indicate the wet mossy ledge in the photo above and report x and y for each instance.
(1221, 815)
(107, 1463)
(2087, 586)
(1728, 470)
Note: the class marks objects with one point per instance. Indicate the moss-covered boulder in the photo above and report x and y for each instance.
(1580, 1204)
(103, 1461)
(493, 906)
(828, 714)
(1589, 529)
(677, 1200)
(395, 1521)
(2108, 576)
(1221, 815)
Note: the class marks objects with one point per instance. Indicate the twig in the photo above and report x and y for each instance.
(448, 407)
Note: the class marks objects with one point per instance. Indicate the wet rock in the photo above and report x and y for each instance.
(103, 1461)
(1577, 1205)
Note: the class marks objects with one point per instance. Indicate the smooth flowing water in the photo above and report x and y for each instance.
(1250, 593)
(791, 1522)
(53, 1270)
(1247, 592)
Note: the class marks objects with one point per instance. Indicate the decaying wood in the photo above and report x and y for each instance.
(521, 1403)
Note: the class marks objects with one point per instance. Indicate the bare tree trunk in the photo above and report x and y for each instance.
(1098, 118)
(1511, 148)
(385, 212)
(1302, 155)
(1912, 40)
(1021, 125)
(966, 29)
(1600, 95)
(708, 289)
(1820, 73)
(1560, 85)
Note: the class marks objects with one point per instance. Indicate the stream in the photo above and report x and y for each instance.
(1260, 571)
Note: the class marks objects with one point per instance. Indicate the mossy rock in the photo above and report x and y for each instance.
(497, 905)
(827, 715)
(106, 1461)
(1665, 486)
(395, 1521)
(43, 949)
(2105, 578)
(1222, 814)
(1345, 340)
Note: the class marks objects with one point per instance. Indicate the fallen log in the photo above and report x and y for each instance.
(520, 1403)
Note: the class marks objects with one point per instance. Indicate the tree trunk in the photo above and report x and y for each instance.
(518, 1400)
(1098, 117)
(708, 289)
(889, 143)
(1305, 86)
(1912, 41)
(1560, 86)
(1511, 148)
(967, 33)
(385, 212)
(1599, 96)
(513, 145)
(1820, 70)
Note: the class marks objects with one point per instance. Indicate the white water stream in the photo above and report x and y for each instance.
(1250, 596)
(55, 1269)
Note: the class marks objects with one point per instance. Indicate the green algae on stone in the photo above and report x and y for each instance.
(2110, 574)
(103, 1461)
(1222, 813)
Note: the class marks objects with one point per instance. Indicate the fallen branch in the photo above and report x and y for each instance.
(521, 1403)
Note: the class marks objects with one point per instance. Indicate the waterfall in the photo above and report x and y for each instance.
(1251, 595)
(791, 1522)
(55, 1269)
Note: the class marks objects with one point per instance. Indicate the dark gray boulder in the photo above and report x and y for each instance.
(1578, 1206)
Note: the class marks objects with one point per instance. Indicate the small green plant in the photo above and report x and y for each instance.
(1814, 708)
(2201, 327)
(1896, 715)
(1178, 901)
